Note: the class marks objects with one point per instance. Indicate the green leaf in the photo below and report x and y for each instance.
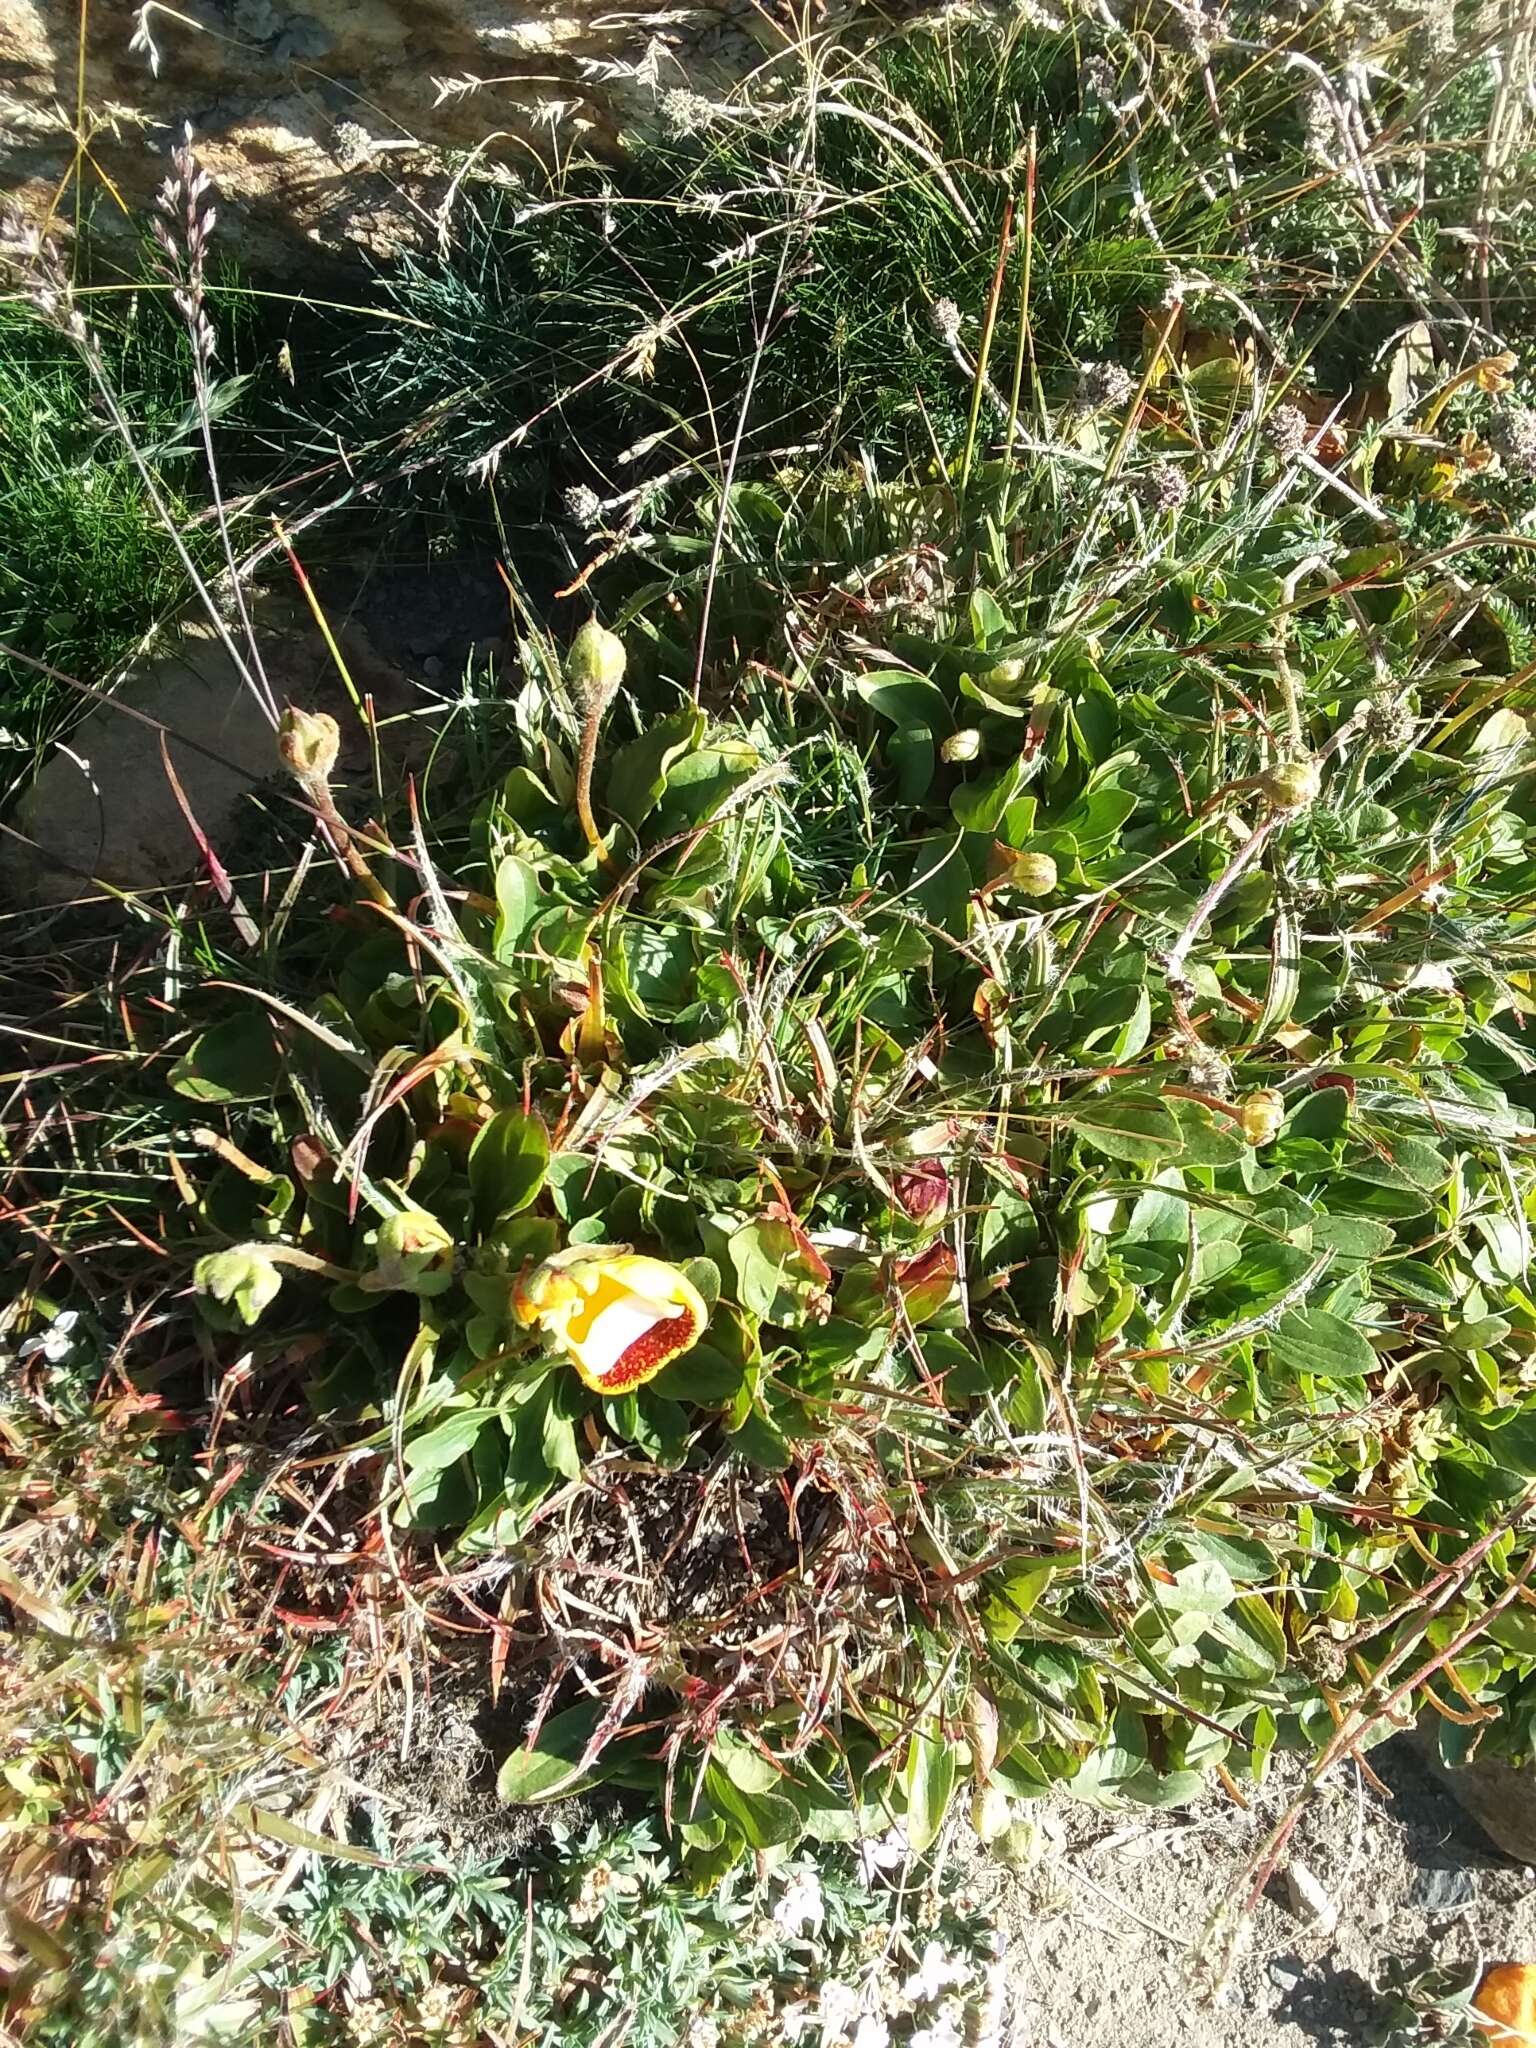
(1321, 1115)
(1139, 1131)
(638, 774)
(517, 900)
(1511, 1443)
(765, 1819)
(979, 805)
(773, 1279)
(704, 1377)
(746, 1767)
(446, 1442)
(929, 1777)
(548, 1769)
(508, 1163)
(1414, 1280)
(1313, 1341)
(1351, 1237)
(1204, 1587)
(237, 1061)
(762, 1442)
(1209, 1140)
(909, 701)
(1009, 1597)
(558, 1427)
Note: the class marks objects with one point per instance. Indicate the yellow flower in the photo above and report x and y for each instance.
(619, 1316)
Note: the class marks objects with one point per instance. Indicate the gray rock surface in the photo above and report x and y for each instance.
(340, 123)
(103, 809)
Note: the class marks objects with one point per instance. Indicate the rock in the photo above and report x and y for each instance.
(1309, 1900)
(104, 809)
(1443, 1891)
(1285, 1972)
(276, 91)
(1500, 1797)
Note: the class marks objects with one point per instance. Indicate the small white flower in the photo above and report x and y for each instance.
(933, 1976)
(56, 1342)
(837, 2009)
(871, 2032)
(888, 1852)
(802, 1905)
(947, 2031)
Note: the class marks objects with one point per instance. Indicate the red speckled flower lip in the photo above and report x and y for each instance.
(660, 1344)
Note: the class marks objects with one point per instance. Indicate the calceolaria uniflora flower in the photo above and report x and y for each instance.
(618, 1316)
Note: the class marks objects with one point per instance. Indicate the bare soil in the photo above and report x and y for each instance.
(1108, 1928)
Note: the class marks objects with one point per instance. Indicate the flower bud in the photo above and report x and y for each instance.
(980, 1720)
(925, 1282)
(308, 743)
(1003, 678)
(595, 665)
(964, 745)
(415, 1255)
(923, 1191)
(991, 1815)
(1261, 1115)
(243, 1279)
(1292, 785)
(1033, 874)
(1019, 1845)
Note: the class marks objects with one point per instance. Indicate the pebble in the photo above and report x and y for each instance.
(1285, 1972)
(1443, 1891)
(1309, 1899)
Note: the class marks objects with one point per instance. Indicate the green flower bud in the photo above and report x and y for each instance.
(308, 743)
(1019, 1845)
(1004, 678)
(594, 668)
(1262, 1114)
(243, 1279)
(415, 1255)
(991, 1815)
(961, 746)
(1293, 785)
(1033, 874)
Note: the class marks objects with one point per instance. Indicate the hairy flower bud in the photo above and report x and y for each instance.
(923, 1191)
(964, 745)
(1033, 874)
(1004, 679)
(595, 665)
(1292, 785)
(415, 1255)
(991, 1815)
(1261, 1115)
(243, 1279)
(308, 743)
